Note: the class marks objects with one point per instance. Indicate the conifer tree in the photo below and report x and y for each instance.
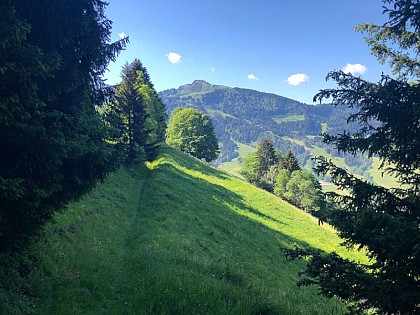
(266, 155)
(289, 162)
(52, 57)
(298, 186)
(137, 115)
(261, 167)
(383, 222)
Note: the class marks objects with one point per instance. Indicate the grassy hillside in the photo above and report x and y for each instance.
(282, 119)
(175, 237)
(234, 166)
(379, 176)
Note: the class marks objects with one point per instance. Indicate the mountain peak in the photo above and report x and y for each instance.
(200, 82)
(197, 86)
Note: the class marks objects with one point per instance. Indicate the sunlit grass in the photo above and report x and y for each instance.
(380, 177)
(178, 237)
(244, 150)
(282, 119)
(338, 161)
(234, 166)
(211, 112)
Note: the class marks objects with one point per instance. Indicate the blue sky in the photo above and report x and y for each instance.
(285, 47)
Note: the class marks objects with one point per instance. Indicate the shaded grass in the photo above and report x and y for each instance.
(178, 237)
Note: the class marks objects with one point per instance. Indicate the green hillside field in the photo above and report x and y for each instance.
(234, 167)
(174, 237)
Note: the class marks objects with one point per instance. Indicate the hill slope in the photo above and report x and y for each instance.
(175, 237)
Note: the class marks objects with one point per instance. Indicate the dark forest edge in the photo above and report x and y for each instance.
(62, 128)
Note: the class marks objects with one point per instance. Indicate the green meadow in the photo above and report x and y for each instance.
(175, 236)
(282, 119)
(381, 177)
(234, 167)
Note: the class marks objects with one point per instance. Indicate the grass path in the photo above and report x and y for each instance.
(177, 237)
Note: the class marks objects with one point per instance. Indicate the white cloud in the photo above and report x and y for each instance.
(298, 79)
(252, 77)
(213, 69)
(355, 68)
(122, 35)
(173, 57)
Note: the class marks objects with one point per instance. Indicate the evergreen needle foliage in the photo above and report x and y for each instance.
(136, 115)
(289, 162)
(384, 222)
(261, 167)
(268, 169)
(52, 57)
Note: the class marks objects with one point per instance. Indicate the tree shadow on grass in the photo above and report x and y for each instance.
(208, 220)
(203, 189)
(208, 195)
(192, 163)
(213, 201)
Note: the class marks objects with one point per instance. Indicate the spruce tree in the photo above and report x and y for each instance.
(266, 155)
(381, 221)
(261, 167)
(52, 57)
(289, 162)
(137, 115)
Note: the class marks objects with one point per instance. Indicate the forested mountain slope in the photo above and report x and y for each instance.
(173, 237)
(243, 116)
